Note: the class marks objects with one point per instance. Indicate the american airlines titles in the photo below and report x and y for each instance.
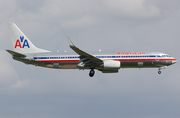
(130, 53)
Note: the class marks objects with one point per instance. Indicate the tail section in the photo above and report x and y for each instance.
(20, 42)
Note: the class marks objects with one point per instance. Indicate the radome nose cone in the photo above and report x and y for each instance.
(174, 61)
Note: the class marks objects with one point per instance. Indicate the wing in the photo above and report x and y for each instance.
(87, 59)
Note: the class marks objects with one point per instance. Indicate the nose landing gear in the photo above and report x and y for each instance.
(92, 72)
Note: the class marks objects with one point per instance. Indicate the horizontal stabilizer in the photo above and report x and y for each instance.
(16, 54)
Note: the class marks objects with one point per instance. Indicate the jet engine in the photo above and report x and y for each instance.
(110, 64)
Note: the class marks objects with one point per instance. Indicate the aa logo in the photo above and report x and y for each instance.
(22, 43)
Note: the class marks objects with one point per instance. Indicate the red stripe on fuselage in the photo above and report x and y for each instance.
(156, 59)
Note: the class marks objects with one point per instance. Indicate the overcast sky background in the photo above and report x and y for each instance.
(27, 91)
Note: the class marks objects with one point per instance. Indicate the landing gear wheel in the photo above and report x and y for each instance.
(91, 73)
(159, 72)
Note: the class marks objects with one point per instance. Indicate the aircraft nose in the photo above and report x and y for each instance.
(174, 61)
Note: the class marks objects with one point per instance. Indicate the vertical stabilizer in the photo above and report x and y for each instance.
(20, 42)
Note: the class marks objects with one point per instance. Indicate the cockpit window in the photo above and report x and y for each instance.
(165, 56)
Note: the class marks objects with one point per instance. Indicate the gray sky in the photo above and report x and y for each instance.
(27, 91)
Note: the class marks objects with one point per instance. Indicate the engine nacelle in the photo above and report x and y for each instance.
(110, 64)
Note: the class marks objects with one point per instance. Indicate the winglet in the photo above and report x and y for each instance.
(69, 41)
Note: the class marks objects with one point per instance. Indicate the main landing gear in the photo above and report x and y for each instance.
(92, 72)
(159, 72)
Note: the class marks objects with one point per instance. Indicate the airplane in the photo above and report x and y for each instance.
(26, 52)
